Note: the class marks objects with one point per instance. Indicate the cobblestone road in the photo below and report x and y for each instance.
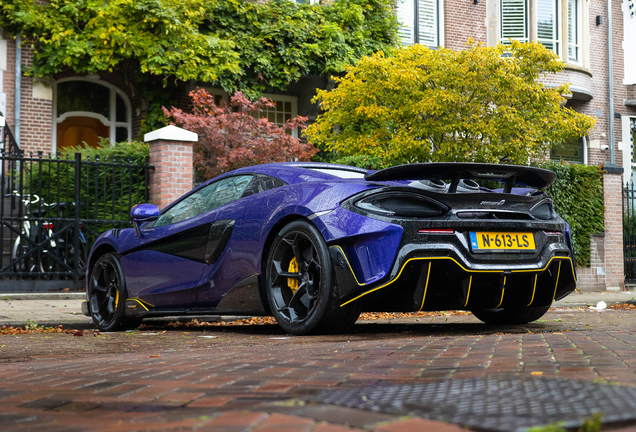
(256, 378)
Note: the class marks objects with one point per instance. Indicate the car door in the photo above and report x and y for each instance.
(236, 261)
(166, 265)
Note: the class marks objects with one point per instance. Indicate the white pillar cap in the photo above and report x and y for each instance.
(171, 133)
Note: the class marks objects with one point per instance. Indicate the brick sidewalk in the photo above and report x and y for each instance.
(258, 379)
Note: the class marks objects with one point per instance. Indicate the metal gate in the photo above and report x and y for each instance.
(53, 208)
(629, 233)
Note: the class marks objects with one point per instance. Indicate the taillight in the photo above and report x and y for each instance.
(47, 225)
(437, 231)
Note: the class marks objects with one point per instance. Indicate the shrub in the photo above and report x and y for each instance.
(578, 198)
(232, 136)
(107, 193)
(480, 104)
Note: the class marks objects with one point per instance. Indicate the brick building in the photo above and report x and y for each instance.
(577, 31)
(68, 109)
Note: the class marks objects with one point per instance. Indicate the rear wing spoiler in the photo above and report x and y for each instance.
(511, 175)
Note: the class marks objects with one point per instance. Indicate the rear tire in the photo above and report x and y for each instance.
(299, 283)
(510, 316)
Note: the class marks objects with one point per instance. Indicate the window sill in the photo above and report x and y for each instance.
(578, 68)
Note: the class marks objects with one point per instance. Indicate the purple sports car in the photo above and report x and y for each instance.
(316, 244)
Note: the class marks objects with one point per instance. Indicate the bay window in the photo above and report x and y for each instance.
(557, 24)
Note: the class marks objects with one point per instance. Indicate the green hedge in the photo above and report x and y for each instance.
(577, 194)
(578, 198)
(56, 181)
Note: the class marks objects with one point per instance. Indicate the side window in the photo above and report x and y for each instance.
(270, 182)
(206, 199)
(228, 190)
(261, 183)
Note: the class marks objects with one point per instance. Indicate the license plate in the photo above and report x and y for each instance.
(501, 241)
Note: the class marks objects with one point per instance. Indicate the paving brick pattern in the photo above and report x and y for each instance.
(257, 379)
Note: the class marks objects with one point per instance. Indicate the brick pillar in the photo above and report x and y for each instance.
(171, 155)
(612, 194)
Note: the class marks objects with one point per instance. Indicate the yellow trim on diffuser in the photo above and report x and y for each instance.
(470, 282)
(503, 290)
(350, 268)
(428, 274)
(553, 258)
(557, 282)
(456, 262)
(533, 289)
(402, 269)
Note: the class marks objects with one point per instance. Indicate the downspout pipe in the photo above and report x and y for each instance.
(18, 87)
(610, 72)
(611, 167)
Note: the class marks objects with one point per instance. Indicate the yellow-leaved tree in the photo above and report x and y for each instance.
(416, 104)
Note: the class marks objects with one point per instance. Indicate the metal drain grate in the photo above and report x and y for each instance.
(497, 402)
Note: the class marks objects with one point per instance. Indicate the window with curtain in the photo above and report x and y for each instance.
(574, 30)
(420, 22)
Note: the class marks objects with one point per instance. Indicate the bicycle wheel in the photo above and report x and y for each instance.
(20, 249)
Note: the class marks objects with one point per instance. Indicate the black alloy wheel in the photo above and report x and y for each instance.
(107, 294)
(299, 283)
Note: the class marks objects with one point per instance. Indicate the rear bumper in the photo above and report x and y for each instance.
(440, 272)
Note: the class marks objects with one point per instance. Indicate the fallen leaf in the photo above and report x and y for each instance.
(153, 356)
(536, 373)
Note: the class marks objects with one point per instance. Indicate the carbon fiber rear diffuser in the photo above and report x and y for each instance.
(497, 402)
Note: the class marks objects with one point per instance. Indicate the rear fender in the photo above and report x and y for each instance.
(366, 248)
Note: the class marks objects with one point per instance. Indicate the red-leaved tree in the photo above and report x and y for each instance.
(232, 136)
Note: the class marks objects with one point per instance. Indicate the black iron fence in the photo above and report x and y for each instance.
(53, 208)
(629, 232)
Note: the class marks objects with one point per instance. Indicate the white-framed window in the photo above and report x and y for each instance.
(514, 21)
(548, 24)
(574, 30)
(285, 107)
(86, 109)
(420, 23)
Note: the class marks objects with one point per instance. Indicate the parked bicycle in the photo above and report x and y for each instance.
(41, 241)
(31, 249)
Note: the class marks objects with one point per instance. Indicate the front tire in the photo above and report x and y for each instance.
(510, 316)
(107, 294)
(299, 283)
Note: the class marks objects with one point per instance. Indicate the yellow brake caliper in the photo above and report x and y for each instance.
(293, 268)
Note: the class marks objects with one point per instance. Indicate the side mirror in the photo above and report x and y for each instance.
(143, 213)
